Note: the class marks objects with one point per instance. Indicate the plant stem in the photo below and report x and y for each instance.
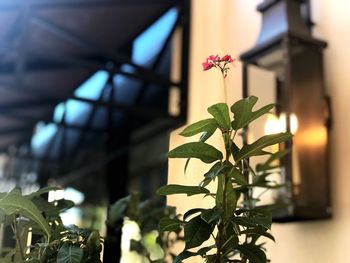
(18, 239)
(222, 224)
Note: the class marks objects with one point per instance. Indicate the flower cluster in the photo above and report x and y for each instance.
(217, 62)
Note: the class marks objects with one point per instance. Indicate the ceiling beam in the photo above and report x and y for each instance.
(17, 4)
(133, 109)
(12, 130)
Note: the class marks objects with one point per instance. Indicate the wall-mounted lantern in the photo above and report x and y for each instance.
(286, 48)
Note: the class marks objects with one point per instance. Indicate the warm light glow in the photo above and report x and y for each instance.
(314, 137)
(271, 124)
(275, 125)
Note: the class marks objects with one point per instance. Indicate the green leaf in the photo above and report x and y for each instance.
(243, 114)
(183, 255)
(256, 147)
(14, 203)
(253, 253)
(200, 150)
(186, 164)
(220, 191)
(205, 250)
(169, 224)
(238, 177)
(261, 180)
(275, 156)
(198, 127)
(171, 189)
(231, 238)
(234, 150)
(197, 231)
(211, 215)
(230, 200)
(221, 114)
(207, 134)
(192, 212)
(215, 170)
(258, 231)
(69, 253)
(253, 221)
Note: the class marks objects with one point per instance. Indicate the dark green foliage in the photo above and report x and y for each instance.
(58, 243)
(235, 224)
(171, 189)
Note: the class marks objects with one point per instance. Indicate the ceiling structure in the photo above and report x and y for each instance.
(74, 70)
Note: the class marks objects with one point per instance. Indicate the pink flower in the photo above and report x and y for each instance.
(219, 63)
(207, 65)
(213, 58)
(227, 58)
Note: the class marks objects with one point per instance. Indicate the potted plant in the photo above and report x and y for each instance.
(235, 224)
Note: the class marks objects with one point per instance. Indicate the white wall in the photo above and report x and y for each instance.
(232, 26)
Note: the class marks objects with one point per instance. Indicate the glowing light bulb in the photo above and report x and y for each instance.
(274, 124)
(293, 122)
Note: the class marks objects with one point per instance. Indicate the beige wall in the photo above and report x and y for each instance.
(232, 26)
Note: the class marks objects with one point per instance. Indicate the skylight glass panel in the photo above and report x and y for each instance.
(148, 44)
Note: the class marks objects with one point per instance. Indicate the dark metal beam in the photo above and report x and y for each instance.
(110, 55)
(13, 130)
(93, 64)
(137, 110)
(16, 4)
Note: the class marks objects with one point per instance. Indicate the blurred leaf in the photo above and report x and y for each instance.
(118, 209)
(256, 147)
(14, 203)
(243, 114)
(197, 231)
(238, 177)
(221, 114)
(198, 127)
(171, 189)
(133, 206)
(44, 190)
(169, 224)
(64, 204)
(200, 150)
(275, 156)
